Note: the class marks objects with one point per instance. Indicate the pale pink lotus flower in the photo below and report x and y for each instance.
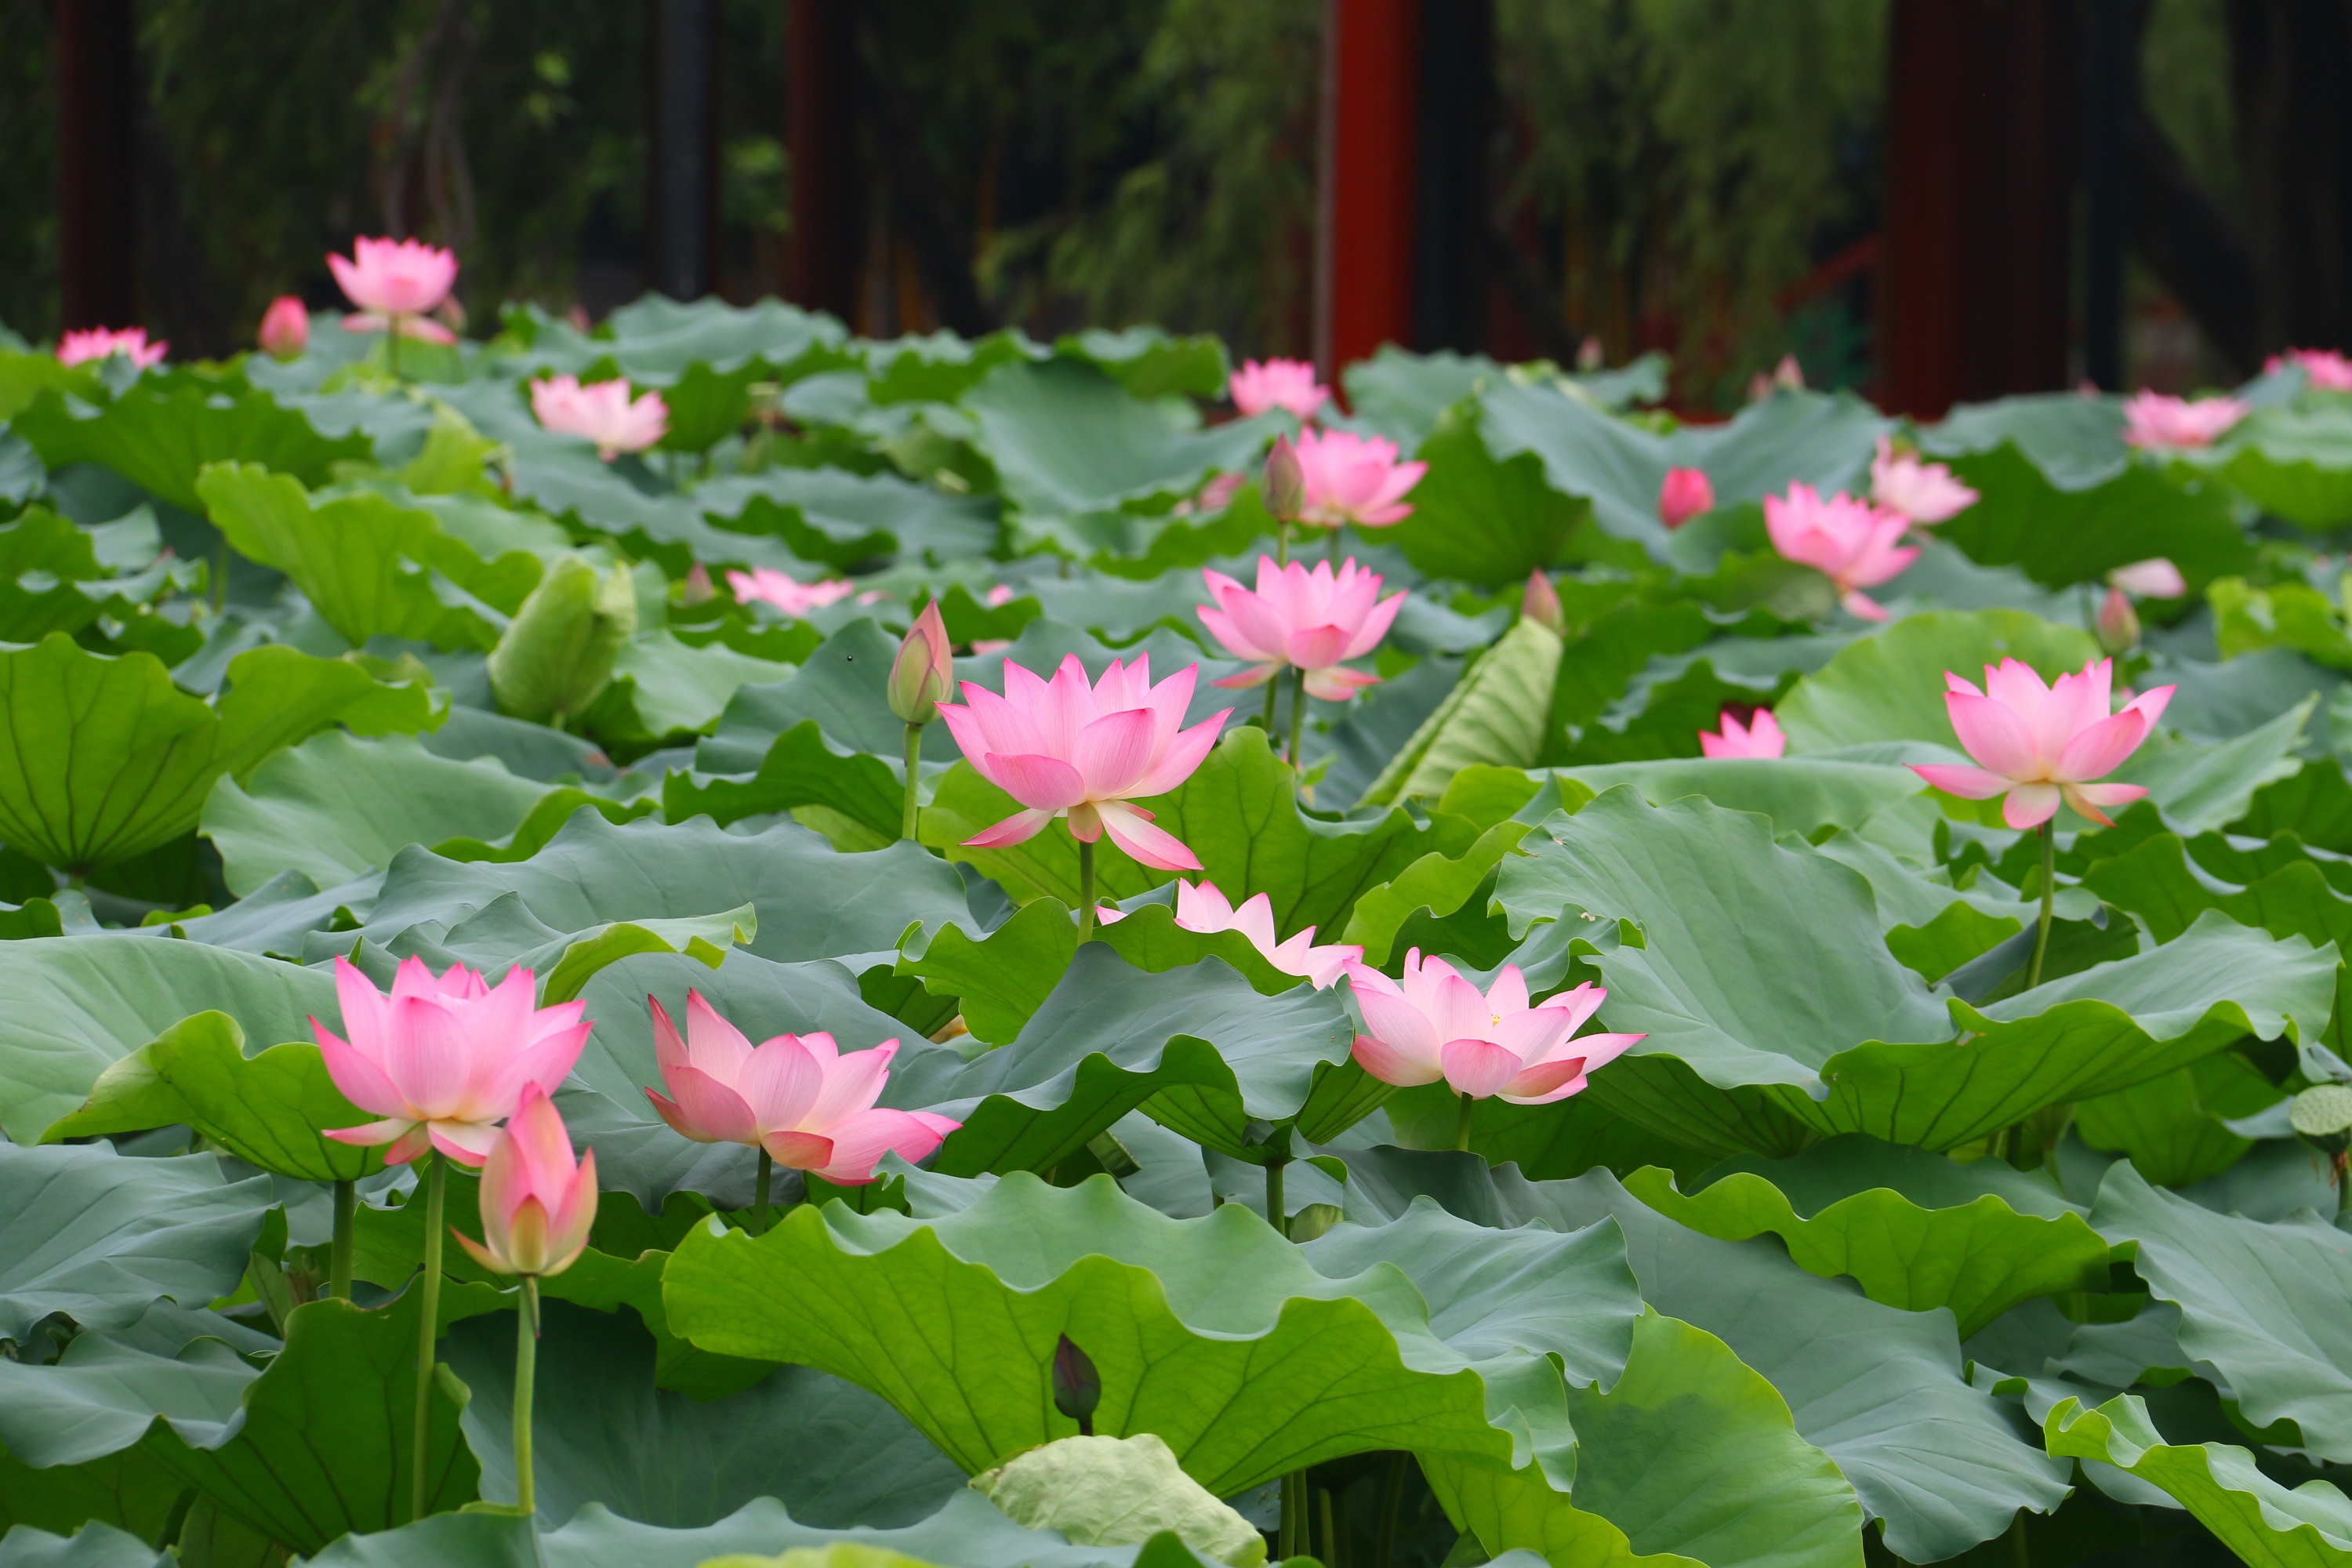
(1213, 496)
(103, 343)
(1435, 1024)
(1924, 492)
(1205, 908)
(1287, 383)
(784, 591)
(2323, 369)
(1354, 478)
(602, 411)
(285, 328)
(2159, 421)
(1068, 748)
(396, 283)
(1301, 619)
(1760, 737)
(1856, 545)
(538, 1204)
(1687, 493)
(2156, 578)
(798, 1096)
(443, 1060)
(2044, 743)
(999, 595)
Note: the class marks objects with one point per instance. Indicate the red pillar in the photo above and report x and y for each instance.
(1366, 196)
(98, 124)
(821, 252)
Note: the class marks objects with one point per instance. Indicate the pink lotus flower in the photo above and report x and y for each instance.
(1435, 1024)
(1206, 909)
(999, 595)
(285, 328)
(1687, 493)
(1277, 383)
(1760, 737)
(444, 1061)
(2154, 419)
(787, 593)
(2323, 369)
(1063, 748)
(537, 1204)
(103, 343)
(923, 675)
(2152, 579)
(1301, 619)
(1924, 492)
(601, 412)
(1856, 545)
(796, 1095)
(2042, 743)
(1354, 478)
(395, 283)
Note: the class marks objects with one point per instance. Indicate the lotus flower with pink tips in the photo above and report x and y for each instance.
(538, 1202)
(104, 342)
(1354, 478)
(1760, 737)
(602, 411)
(2323, 370)
(2041, 744)
(443, 1060)
(2160, 421)
(395, 283)
(798, 1096)
(1205, 908)
(1287, 384)
(1435, 1024)
(786, 592)
(1297, 619)
(285, 328)
(1083, 749)
(1853, 543)
(1687, 493)
(1924, 492)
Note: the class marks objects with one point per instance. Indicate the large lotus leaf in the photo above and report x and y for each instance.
(1067, 439)
(267, 1110)
(1690, 1457)
(1914, 1230)
(338, 806)
(655, 339)
(101, 1396)
(954, 1321)
(55, 577)
(1150, 363)
(2062, 533)
(2155, 881)
(1890, 687)
(160, 438)
(131, 1491)
(830, 1451)
(24, 376)
(75, 1007)
(2175, 1127)
(1479, 519)
(2077, 441)
(1198, 1049)
(95, 1545)
(2201, 785)
(666, 687)
(102, 1238)
(1401, 394)
(842, 687)
(1801, 794)
(1495, 717)
(2263, 1302)
(1439, 883)
(2265, 1524)
(848, 520)
(803, 769)
(107, 759)
(2291, 460)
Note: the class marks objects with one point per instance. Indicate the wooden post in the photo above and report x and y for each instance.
(1366, 190)
(98, 191)
(682, 147)
(821, 255)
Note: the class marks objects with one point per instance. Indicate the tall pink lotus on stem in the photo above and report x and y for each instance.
(1760, 737)
(602, 411)
(1924, 492)
(538, 1202)
(1304, 620)
(1853, 543)
(396, 284)
(285, 328)
(2157, 421)
(1206, 909)
(1435, 1024)
(1287, 384)
(799, 1099)
(2040, 744)
(765, 585)
(1685, 493)
(104, 342)
(1354, 478)
(2323, 370)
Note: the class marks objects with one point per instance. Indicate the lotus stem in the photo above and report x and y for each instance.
(338, 1265)
(914, 769)
(391, 364)
(1274, 1213)
(1392, 1503)
(2049, 890)
(1462, 1127)
(2019, 1557)
(1282, 541)
(762, 1216)
(1291, 1538)
(526, 1381)
(437, 1192)
(1272, 690)
(1086, 890)
(220, 577)
(1338, 535)
(1297, 715)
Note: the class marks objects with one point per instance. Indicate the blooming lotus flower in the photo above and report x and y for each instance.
(786, 592)
(1206, 909)
(1066, 748)
(537, 1203)
(1687, 493)
(395, 283)
(1760, 737)
(1354, 478)
(1301, 619)
(1435, 1024)
(2153, 579)
(1277, 383)
(999, 595)
(601, 412)
(1924, 492)
(2323, 369)
(443, 1060)
(1852, 542)
(2042, 743)
(798, 1097)
(285, 328)
(2153, 419)
(103, 343)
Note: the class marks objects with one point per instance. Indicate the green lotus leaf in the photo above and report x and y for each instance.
(1439, 883)
(56, 577)
(2062, 533)
(23, 376)
(1801, 794)
(2174, 1126)
(1495, 716)
(1890, 687)
(2155, 881)
(666, 687)
(95, 1545)
(1479, 519)
(1067, 439)
(160, 436)
(848, 521)
(1118, 1491)
(556, 657)
(2203, 785)
(842, 687)
(801, 770)
(2291, 460)
(130, 1493)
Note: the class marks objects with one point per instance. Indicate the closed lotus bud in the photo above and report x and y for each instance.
(1685, 493)
(1540, 603)
(1078, 1386)
(923, 674)
(556, 656)
(696, 588)
(1285, 481)
(285, 328)
(2118, 623)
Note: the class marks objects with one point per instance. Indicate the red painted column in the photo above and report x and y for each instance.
(98, 124)
(821, 253)
(1366, 195)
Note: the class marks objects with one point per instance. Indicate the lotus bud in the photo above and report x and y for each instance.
(1687, 493)
(923, 675)
(697, 589)
(1285, 481)
(2118, 623)
(556, 656)
(1589, 355)
(1540, 603)
(285, 328)
(1078, 1386)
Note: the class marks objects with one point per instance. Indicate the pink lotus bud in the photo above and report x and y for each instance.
(1284, 481)
(1589, 355)
(1540, 603)
(538, 1205)
(1687, 493)
(2155, 578)
(1205, 908)
(285, 328)
(923, 675)
(1354, 478)
(1435, 1024)
(2041, 744)
(1853, 543)
(696, 587)
(1309, 620)
(2118, 626)
(1760, 737)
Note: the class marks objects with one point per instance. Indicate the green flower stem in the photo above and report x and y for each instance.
(1338, 533)
(391, 359)
(338, 1266)
(914, 766)
(1391, 1504)
(1086, 892)
(1462, 1127)
(1282, 541)
(526, 1379)
(1328, 1531)
(763, 1216)
(1274, 1216)
(1297, 714)
(2049, 890)
(437, 1192)
(1292, 1536)
(1272, 690)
